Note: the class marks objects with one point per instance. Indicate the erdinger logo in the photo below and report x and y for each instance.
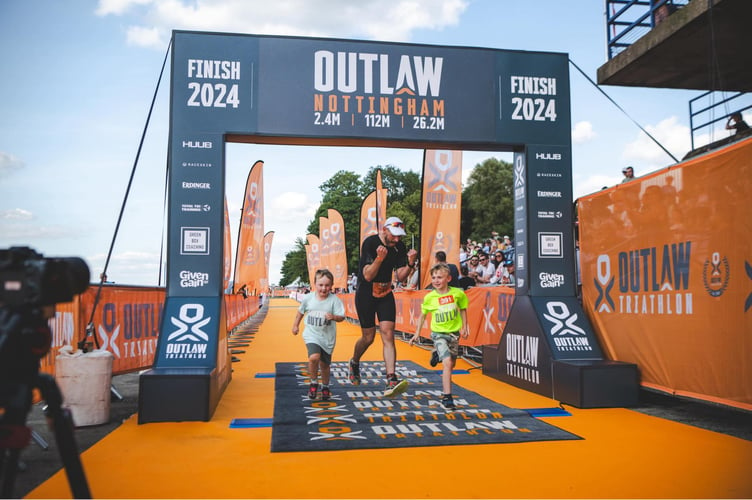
(715, 275)
(188, 340)
(604, 285)
(566, 334)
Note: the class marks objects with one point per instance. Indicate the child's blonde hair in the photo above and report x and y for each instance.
(441, 266)
(326, 273)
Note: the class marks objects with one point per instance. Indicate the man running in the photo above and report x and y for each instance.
(381, 255)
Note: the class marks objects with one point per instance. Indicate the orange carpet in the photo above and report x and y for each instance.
(624, 454)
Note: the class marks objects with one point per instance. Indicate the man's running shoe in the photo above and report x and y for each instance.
(395, 387)
(354, 375)
(447, 402)
(434, 358)
(326, 394)
(313, 391)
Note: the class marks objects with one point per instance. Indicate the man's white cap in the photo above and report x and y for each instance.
(395, 226)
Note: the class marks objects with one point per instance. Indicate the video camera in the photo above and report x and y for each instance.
(30, 285)
(28, 279)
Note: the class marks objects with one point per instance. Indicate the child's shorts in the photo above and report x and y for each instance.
(326, 357)
(446, 344)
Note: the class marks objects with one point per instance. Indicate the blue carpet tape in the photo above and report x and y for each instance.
(265, 375)
(547, 412)
(244, 423)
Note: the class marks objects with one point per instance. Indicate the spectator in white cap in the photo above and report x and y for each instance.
(381, 255)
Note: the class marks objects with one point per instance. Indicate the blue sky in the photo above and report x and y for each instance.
(79, 77)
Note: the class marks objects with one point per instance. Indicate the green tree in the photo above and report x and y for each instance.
(488, 200)
(294, 266)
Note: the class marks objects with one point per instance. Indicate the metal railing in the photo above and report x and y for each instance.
(709, 112)
(628, 20)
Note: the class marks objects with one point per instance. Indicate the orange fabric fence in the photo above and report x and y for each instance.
(487, 312)
(666, 266)
(126, 323)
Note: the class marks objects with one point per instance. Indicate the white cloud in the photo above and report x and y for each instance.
(9, 163)
(117, 7)
(343, 18)
(16, 214)
(672, 135)
(290, 206)
(593, 183)
(127, 267)
(583, 132)
(145, 37)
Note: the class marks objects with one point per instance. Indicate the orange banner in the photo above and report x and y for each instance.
(338, 251)
(313, 256)
(125, 323)
(487, 312)
(368, 217)
(249, 260)
(325, 244)
(441, 206)
(666, 266)
(381, 195)
(227, 251)
(268, 240)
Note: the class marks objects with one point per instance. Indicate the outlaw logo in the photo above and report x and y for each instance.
(562, 319)
(189, 322)
(715, 275)
(604, 285)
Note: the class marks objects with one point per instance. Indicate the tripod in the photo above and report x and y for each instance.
(23, 336)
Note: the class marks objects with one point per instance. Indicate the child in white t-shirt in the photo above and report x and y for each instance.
(320, 332)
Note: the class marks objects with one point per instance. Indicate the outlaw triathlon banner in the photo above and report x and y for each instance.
(381, 195)
(373, 211)
(337, 250)
(368, 218)
(325, 244)
(249, 261)
(666, 263)
(313, 256)
(268, 238)
(227, 250)
(442, 201)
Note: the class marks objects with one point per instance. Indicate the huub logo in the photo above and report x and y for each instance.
(197, 144)
(548, 156)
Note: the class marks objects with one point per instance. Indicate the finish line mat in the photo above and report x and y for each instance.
(360, 417)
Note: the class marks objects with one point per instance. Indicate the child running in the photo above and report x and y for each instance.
(448, 308)
(320, 332)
